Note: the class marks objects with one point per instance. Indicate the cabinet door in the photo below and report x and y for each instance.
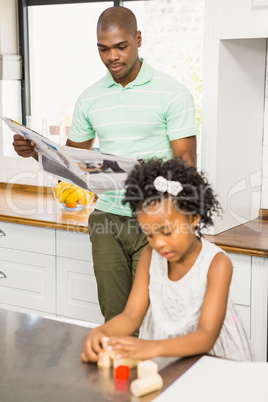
(27, 238)
(241, 281)
(245, 315)
(259, 307)
(29, 281)
(73, 245)
(240, 288)
(77, 290)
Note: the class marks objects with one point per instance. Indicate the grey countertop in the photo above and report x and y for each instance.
(40, 362)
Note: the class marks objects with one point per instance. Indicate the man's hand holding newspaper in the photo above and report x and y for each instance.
(90, 170)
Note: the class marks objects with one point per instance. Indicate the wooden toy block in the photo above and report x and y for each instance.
(121, 373)
(109, 358)
(105, 342)
(125, 362)
(146, 368)
(145, 385)
(105, 348)
(105, 360)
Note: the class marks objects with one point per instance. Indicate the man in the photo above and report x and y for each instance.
(138, 112)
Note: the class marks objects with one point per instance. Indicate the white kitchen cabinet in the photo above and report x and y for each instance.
(27, 265)
(77, 288)
(243, 19)
(48, 271)
(244, 313)
(240, 289)
(241, 279)
(249, 291)
(259, 312)
(28, 238)
(74, 245)
(30, 280)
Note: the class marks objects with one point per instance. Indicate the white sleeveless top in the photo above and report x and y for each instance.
(175, 306)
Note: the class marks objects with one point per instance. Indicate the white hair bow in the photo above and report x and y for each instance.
(164, 185)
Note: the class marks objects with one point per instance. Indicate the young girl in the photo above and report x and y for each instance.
(180, 297)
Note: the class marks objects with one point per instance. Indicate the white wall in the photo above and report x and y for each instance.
(233, 109)
(241, 19)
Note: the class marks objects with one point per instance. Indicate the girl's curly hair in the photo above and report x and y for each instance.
(196, 197)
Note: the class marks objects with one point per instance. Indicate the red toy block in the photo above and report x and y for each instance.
(121, 373)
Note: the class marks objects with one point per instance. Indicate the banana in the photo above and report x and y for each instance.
(65, 193)
(69, 194)
(86, 198)
(60, 188)
(73, 196)
(56, 189)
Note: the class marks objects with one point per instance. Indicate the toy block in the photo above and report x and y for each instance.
(121, 373)
(105, 342)
(146, 368)
(125, 362)
(105, 360)
(145, 385)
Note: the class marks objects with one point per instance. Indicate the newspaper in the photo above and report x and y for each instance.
(90, 170)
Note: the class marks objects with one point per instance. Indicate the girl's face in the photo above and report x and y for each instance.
(169, 232)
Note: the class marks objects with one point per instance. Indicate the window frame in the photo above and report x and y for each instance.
(24, 43)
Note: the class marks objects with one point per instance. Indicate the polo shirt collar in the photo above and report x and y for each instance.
(145, 75)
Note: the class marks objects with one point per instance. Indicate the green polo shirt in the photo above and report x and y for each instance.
(135, 121)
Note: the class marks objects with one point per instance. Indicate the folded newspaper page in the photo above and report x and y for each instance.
(90, 170)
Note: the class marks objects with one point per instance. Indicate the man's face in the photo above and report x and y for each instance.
(119, 52)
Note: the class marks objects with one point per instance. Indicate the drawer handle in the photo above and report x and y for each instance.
(2, 275)
(2, 233)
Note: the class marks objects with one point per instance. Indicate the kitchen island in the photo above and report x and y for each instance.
(40, 361)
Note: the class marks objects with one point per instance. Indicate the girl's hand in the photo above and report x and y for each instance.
(93, 346)
(130, 347)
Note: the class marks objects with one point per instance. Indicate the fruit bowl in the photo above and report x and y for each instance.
(71, 197)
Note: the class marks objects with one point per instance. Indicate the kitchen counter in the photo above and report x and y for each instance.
(40, 361)
(36, 206)
(251, 238)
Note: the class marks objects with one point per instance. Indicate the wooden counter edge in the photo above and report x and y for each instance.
(25, 188)
(84, 229)
(44, 224)
(263, 214)
(243, 250)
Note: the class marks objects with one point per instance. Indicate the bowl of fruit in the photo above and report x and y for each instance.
(71, 197)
